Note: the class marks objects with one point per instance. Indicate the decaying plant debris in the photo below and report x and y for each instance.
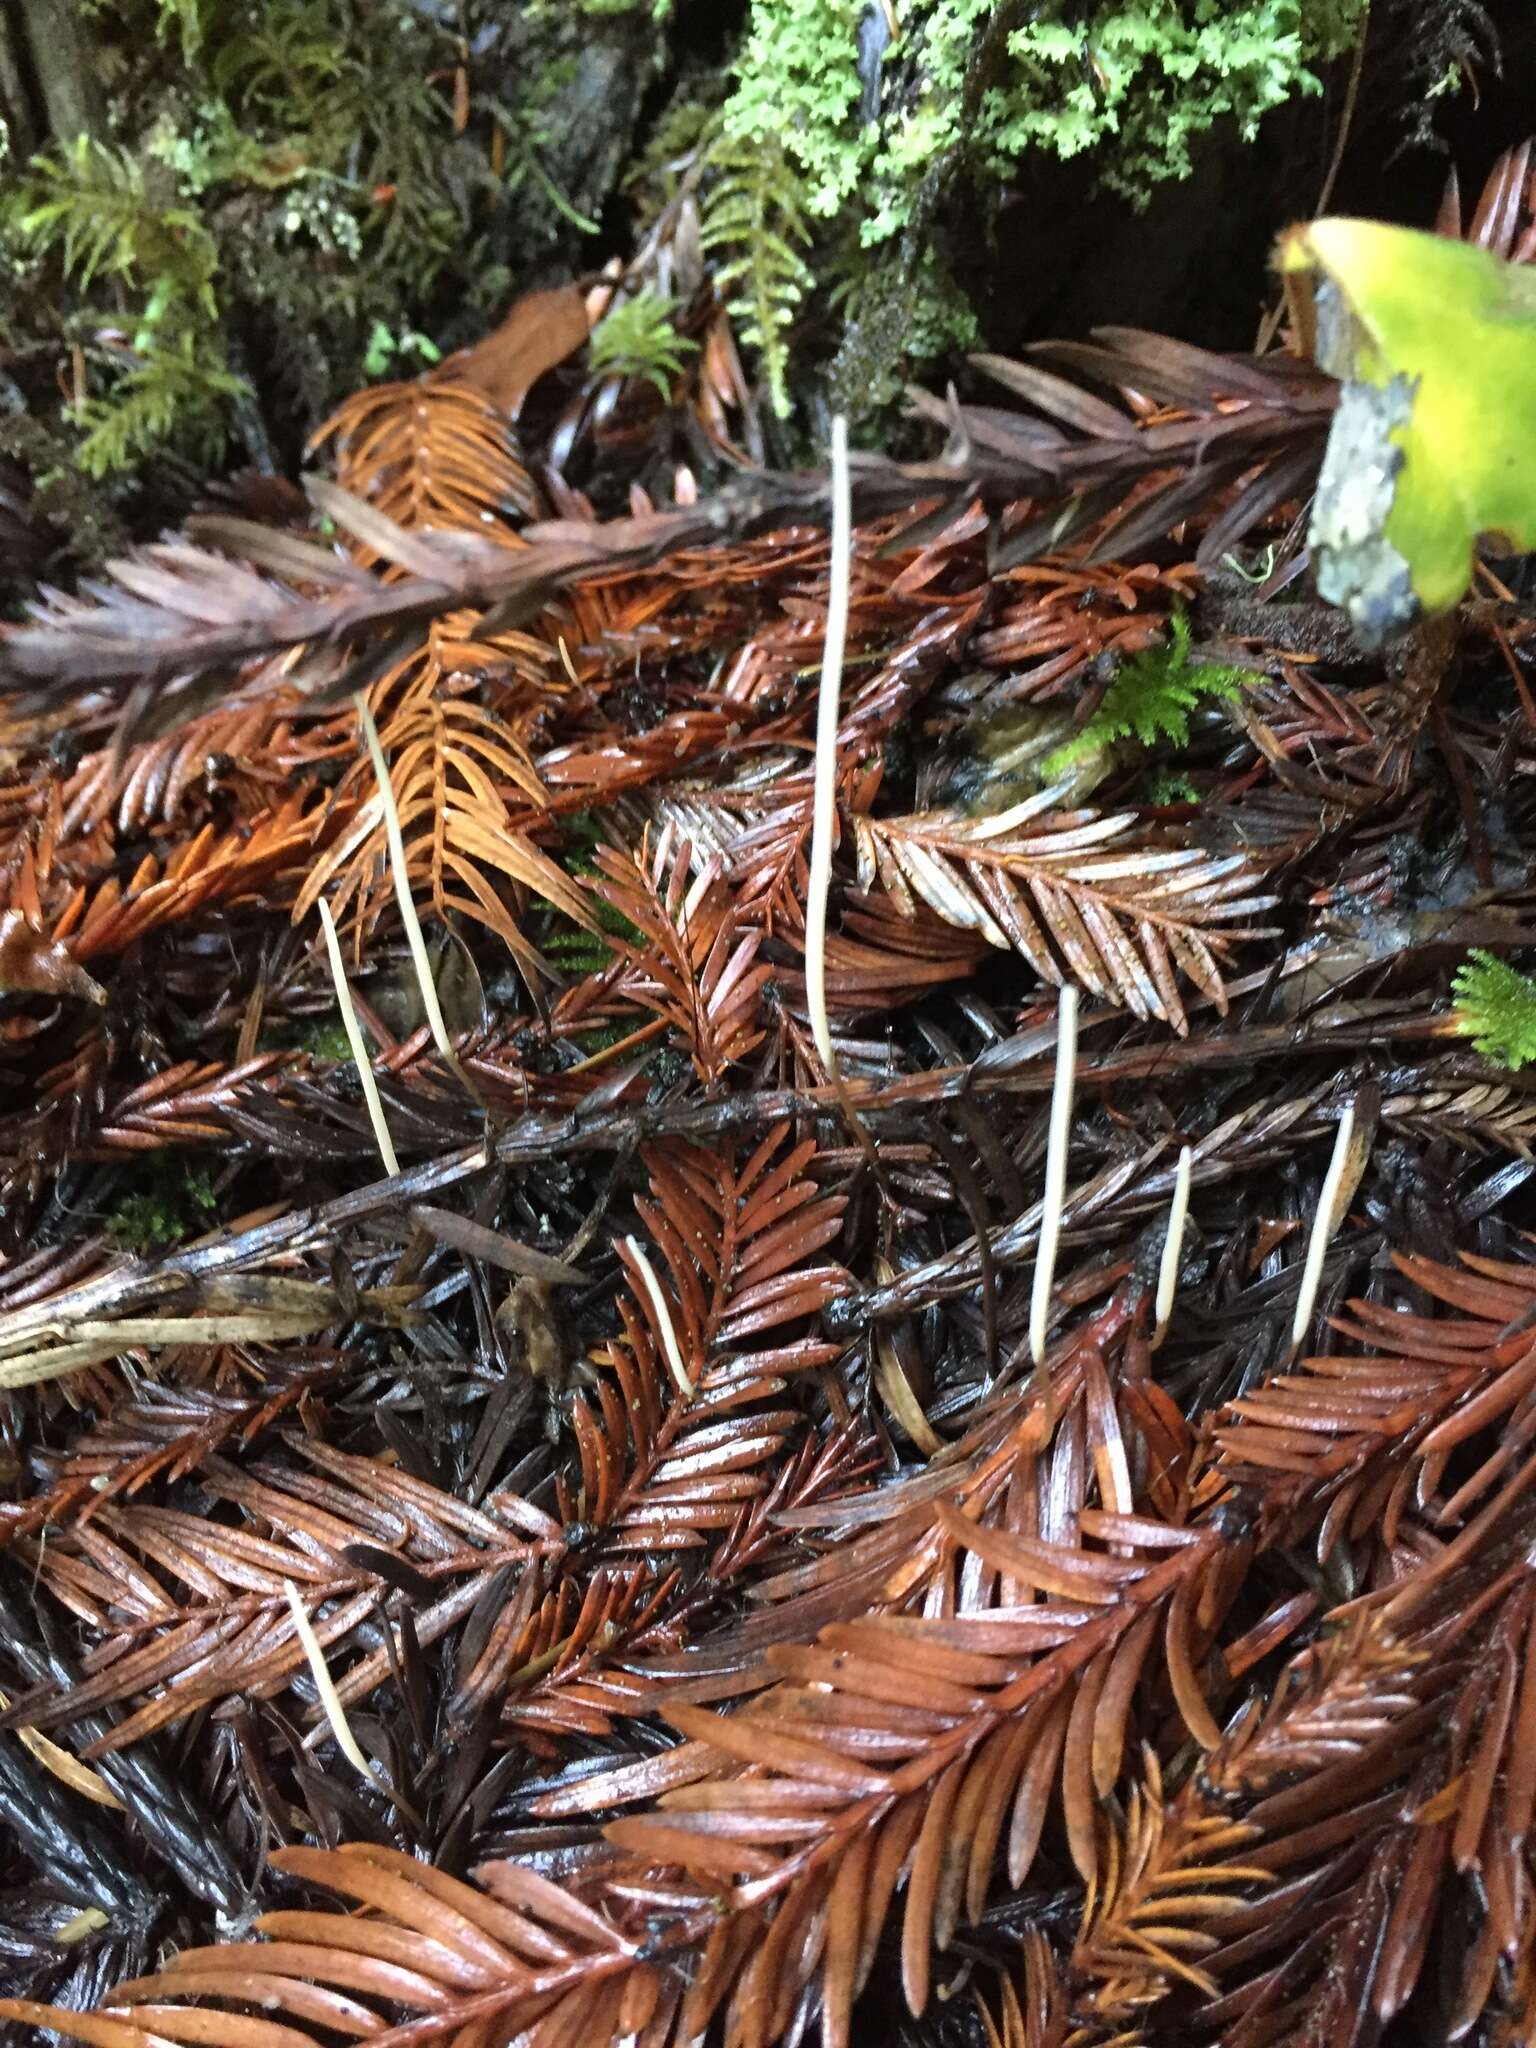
(663, 1560)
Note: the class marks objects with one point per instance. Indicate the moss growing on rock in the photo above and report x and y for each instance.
(269, 189)
(984, 84)
(878, 132)
(291, 183)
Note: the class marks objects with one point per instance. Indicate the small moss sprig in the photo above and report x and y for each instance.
(638, 337)
(166, 1205)
(1496, 1009)
(1150, 699)
(106, 215)
(1137, 80)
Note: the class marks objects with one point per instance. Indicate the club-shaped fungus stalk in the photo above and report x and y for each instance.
(828, 706)
(1339, 1184)
(1173, 1245)
(1055, 1174)
(325, 1685)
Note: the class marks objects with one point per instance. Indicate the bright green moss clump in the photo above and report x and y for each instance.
(1496, 1009)
(162, 1203)
(277, 202)
(973, 89)
(1151, 699)
(1135, 82)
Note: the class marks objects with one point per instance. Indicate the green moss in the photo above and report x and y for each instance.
(975, 80)
(119, 223)
(973, 89)
(1168, 786)
(638, 337)
(169, 1202)
(899, 312)
(327, 1040)
(277, 188)
(653, 10)
(576, 952)
(755, 229)
(281, 192)
(1496, 1009)
(1150, 699)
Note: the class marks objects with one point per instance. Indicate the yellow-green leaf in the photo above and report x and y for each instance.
(1435, 439)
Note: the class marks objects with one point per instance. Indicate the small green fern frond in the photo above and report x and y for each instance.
(103, 213)
(1496, 1009)
(177, 391)
(1150, 699)
(638, 337)
(576, 952)
(95, 205)
(279, 59)
(754, 217)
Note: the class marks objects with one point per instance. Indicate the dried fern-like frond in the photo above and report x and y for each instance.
(1346, 1436)
(1233, 436)
(453, 768)
(460, 1958)
(166, 1653)
(1180, 1874)
(251, 747)
(697, 966)
(1504, 217)
(1477, 1115)
(207, 869)
(1333, 1821)
(697, 1471)
(177, 609)
(155, 1432)
(908, 1736)
(433, 453)
(436, 455)
(1135, 1946)
(736, 1237)
(1079, 895)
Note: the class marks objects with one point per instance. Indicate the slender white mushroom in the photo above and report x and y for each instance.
(1173, 1245)
(1055, 1173)
(355, 1039)
(330, 1699)
(1345, 1168)
(658, 1301)
(414, 937)
(828, 707)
